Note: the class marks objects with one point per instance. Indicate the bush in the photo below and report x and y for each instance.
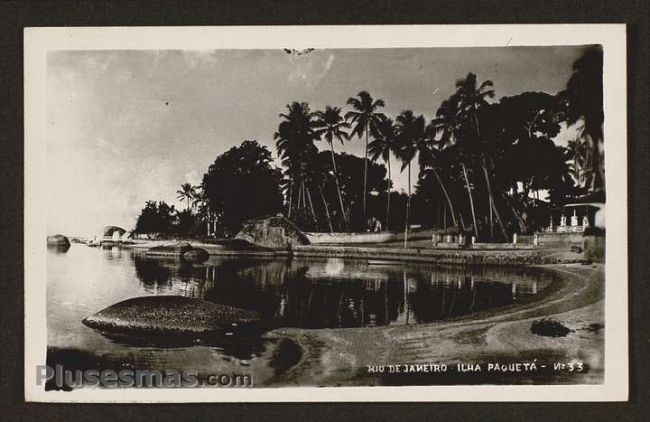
(549, 328)
(594, 231)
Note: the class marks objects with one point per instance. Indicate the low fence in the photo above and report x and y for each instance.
(546, 238)
(354, 238)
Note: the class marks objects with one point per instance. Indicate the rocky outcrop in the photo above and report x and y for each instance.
(58, 240)
(176, 249)
(109, 231)
(169, 315)
(273, 232)
(195, 255)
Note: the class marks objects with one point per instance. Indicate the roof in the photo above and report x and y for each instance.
(109, 230)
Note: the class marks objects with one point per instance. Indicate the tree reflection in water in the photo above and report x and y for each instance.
(329, 294)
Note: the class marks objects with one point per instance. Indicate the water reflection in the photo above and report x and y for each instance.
(289, 293)
(339, 293)
(58, 248)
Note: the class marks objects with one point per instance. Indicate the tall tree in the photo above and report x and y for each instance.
(365, 118)
(578, 152)
(583, 99)
(156, 218)
(411, 132)
(430, 156)
(228, 185)
(449, 124)
(384, 143)
(472, 97)
(295, 145)
(187, 192)
(331, 125)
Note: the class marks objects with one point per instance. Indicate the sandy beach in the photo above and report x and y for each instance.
(503, 335)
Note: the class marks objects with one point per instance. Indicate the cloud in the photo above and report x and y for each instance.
(193, 178)
(310, 69)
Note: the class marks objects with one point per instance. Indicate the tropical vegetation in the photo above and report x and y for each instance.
(484, 166)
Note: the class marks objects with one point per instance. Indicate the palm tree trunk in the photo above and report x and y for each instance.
(493, 205)
(490, 198)
(444, 218)
(471, 200)
(311, 205)
(338, 187)
(462, 222)
(388, 192)
(451, 206)
(290, 196)
(503, 229)
(520, 221)
(408, 209)
(327, 211)
(299, 195)
(365, 178)
(490, 206)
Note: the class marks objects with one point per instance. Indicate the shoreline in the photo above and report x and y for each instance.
(342, 356)
(501, 254)
(501, 335)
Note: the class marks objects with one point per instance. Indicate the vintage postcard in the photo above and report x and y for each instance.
(335, 213)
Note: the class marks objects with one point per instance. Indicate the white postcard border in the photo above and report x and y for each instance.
(38, 41)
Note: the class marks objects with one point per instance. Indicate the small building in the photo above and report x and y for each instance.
(110, 235)
(567, 224)
(576, 217)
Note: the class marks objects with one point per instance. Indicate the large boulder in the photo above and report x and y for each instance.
(58, 240)
(272, 232)
(195, 255)
(110, 231)
(176, 249)
(169, 315)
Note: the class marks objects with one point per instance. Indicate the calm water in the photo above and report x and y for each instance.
(319, 293)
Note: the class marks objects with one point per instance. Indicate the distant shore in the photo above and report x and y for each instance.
(417, 251)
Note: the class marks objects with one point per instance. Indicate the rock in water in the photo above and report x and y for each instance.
(195, 255)
(169, 315)
(172, 249)
(272, 232)
(58, 240)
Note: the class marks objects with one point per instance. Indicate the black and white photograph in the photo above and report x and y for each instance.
(405, 213)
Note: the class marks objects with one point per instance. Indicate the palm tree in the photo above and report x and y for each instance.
(584, 102)
(411, 132)
(385, 142)
(295, 144)
(332, 125)
(448, 123)
(578, 154)
(187, 193)
(199, 197)
(471, 97)
(429, 153)
(366, 118)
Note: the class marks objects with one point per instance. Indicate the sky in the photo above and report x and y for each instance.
(128, 126)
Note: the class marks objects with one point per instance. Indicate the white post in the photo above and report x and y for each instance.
(473, 240)
(535, 240)
(514, 239)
